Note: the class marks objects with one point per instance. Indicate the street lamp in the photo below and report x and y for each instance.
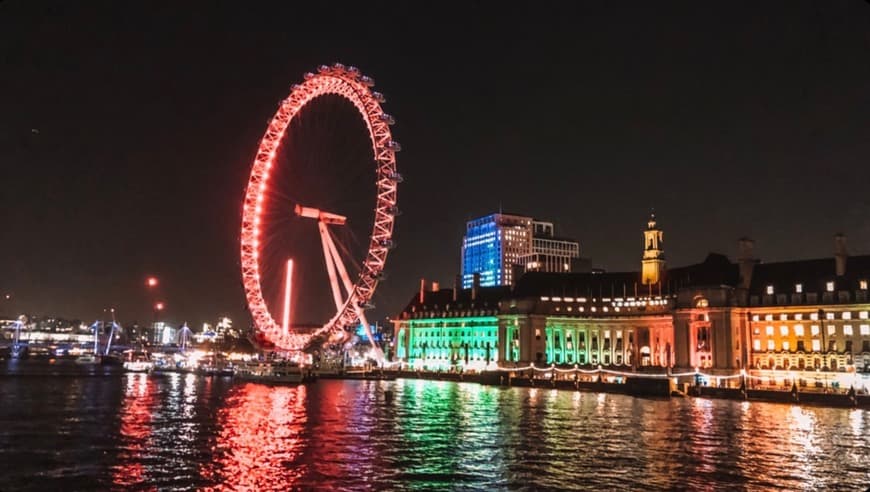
(151, 282)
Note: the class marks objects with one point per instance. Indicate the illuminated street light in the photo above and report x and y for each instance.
(151, 282)
(159, 306)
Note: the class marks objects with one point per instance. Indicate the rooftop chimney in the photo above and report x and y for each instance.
(746, 260)
(422, 290)
(840, 253)
(475, 286)
(457, 285)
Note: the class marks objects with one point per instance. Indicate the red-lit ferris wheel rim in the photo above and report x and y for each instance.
(348, 83)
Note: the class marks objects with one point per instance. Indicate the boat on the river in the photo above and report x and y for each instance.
(88, 360)
(138, 362)
(214, 364)
(278, 372)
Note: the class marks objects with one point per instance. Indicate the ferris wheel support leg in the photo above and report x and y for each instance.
(288, 283)
(330, 264)
(348, 286)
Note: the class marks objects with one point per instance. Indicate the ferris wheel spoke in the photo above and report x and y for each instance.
(348, 285)
(330, 265)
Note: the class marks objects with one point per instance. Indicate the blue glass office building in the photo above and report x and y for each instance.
(491, 246)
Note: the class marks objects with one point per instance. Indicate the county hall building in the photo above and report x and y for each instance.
(803, 322)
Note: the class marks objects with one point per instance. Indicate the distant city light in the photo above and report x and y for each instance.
(151, 282)
(159, 306)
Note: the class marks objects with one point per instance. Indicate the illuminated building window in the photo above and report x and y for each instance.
(769, 330)
(798, 288)
(785, 345)
(769, 290)
(770, 345)
(756, 331)
(768, 317)
(537, 333)
(862, 315)
(865, 330)
(847, 315)
(756, 345)
(829, 286)
(798, 317)
(799, 330)
(817, 345)
(829, 316)
(783, 317)
(814, 316)
(862, 285)
(814, 330)
(831, 329)
(754, 317)
(847, 330)
(783, 330)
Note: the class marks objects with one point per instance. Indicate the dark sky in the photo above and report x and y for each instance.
(739, 118)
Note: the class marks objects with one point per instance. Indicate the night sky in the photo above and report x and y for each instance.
(127, 132)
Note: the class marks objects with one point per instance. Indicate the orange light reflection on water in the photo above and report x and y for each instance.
(259, 440)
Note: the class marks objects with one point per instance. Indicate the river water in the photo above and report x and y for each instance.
(80, 429)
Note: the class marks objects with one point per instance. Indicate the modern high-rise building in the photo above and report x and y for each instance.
(499, 247)
(492, 245)
(550, 253)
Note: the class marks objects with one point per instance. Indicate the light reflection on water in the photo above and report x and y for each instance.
(184, 431)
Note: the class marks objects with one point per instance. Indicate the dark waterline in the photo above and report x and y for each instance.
(83, 429)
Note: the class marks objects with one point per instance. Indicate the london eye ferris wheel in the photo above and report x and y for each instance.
(319, 211)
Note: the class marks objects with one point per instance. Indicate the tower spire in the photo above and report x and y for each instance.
(653, 262)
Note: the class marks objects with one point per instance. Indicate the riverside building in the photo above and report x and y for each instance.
(803, 322)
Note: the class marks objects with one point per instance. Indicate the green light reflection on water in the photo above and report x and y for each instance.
(450, 433)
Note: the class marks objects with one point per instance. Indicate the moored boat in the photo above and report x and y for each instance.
(138, 362)
(284, 373)
(88, 360)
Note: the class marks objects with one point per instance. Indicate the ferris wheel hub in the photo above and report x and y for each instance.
(320, 215)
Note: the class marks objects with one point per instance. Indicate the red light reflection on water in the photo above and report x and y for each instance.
(259, 441)
(135, 429)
